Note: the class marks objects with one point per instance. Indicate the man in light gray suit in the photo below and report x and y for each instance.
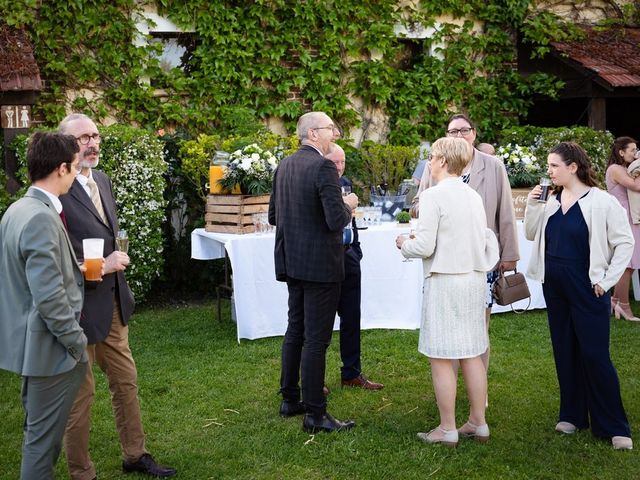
(40, 302)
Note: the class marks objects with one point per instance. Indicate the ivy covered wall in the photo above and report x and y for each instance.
(342, 57)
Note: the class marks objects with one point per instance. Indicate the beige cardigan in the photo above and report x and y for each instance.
(634, 197)
(488, 177)
(610, 238)
(452, 234)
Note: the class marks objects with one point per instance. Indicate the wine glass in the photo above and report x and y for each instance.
(122, 241)
(346, 190)
(412, 234)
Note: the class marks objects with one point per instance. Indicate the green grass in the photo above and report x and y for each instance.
(210, 409)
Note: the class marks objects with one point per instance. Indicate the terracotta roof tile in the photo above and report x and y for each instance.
(614, 54)
(18, 68)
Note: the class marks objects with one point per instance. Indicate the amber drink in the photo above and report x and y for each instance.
(93, 249)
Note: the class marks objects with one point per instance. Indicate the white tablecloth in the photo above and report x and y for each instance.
(391, 288)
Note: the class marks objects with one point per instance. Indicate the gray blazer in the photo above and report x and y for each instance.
(85, 222)
(41, 291)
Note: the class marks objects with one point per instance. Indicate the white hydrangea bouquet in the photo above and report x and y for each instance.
(252, 168)
(523, 167)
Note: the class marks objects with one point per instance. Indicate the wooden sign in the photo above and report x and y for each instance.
(15, 116)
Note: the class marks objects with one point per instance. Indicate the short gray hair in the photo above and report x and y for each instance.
(64, 124)
(307, 121)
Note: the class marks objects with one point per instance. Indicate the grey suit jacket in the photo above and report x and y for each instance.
(41, 291)
(307, 208)
(85, 222)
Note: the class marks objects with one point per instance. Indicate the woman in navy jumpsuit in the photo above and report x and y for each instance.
(579, 254)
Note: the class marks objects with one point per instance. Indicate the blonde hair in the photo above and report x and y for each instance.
(456, 151)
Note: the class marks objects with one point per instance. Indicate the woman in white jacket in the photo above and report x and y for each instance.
(457, 249)
(582, 245)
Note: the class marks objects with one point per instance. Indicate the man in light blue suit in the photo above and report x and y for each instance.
(40, 302)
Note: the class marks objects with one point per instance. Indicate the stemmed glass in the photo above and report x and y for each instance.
(122, 241)
(412, 234)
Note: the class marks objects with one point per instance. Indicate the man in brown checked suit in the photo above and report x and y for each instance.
(91, 213)
(309, 213)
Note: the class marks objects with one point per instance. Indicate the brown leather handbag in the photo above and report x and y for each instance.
(512, 288)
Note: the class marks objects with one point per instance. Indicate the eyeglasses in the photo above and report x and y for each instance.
(454, 132)
(330, 127)
(85, 139)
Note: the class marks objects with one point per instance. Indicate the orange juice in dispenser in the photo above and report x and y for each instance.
(217, 168)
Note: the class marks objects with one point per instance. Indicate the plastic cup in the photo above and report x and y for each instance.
(92, 250)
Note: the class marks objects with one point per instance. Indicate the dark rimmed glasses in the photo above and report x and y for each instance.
(86, 138)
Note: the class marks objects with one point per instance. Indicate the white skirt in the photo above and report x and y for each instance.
(453, 316)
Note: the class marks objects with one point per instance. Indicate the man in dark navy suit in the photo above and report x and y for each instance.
(350, 294)
(309, 212)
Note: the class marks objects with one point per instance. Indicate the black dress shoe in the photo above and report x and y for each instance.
(326, 424)
(146, 464)
(291, 409)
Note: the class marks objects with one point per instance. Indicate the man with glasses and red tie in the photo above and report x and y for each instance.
(309, 212)
(90, 210)
(487, 175)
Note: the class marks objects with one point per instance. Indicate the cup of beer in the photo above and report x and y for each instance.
(92, 249)
(545, 183)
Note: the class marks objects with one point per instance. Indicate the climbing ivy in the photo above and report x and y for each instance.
(254, 54)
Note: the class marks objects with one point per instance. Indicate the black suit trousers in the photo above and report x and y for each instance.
(349, 312)
(312, 310)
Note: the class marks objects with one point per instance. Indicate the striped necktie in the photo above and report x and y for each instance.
(95, 198)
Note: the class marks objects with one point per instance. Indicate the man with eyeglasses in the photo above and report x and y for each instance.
(91, 213)
(309, 212)
(487, 175)
(40, 302)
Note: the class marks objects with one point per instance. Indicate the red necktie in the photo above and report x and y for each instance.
(64, 220)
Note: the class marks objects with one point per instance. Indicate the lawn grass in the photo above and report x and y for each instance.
(210, 408)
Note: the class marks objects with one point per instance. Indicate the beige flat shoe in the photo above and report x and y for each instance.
(448, 438)
(479, 433)
(566, 427)
(622, 443)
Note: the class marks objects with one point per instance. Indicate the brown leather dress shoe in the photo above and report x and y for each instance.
(362, 382)
(146, 464)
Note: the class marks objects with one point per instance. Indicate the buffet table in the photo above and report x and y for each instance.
(391, 287)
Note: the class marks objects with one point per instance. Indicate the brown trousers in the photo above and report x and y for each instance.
(114, 358)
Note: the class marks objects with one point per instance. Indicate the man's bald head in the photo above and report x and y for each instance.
(336, 155)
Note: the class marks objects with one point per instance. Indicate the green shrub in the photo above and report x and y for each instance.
(133, 158)
(541, 140)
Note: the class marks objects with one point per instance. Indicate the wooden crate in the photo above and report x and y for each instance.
(232, 213)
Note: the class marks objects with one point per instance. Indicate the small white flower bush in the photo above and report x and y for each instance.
(252, 168)
(523, 167)
(134, 160)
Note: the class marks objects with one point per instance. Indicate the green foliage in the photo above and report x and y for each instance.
(249, 56)
(403, 217)
(540, 140)
(18, 145)
(386, 164)
(133, 158)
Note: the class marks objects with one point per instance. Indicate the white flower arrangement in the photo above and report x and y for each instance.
(252, 168)
(522, 165)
